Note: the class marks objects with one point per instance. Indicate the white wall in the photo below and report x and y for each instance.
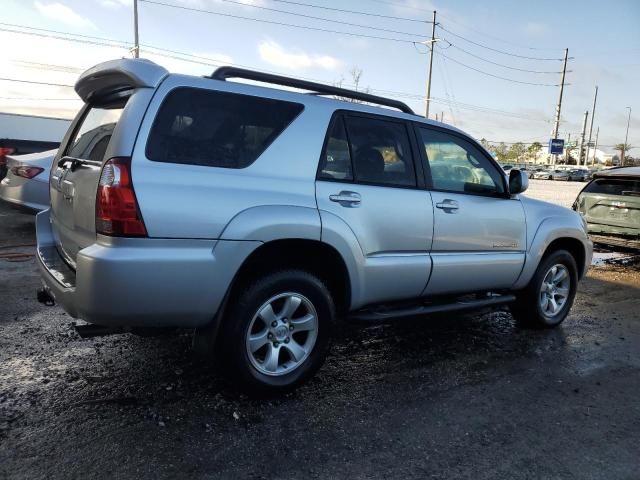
(26, 127)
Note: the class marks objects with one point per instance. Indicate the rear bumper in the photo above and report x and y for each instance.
(141, 282)
(625, 241)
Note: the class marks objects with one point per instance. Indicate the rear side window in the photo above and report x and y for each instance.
(613, 186)
(381, 151)
(216, 129)
(90, 140)
(336, 162)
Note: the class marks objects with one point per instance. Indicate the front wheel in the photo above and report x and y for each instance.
(546, 301)
(276, 333)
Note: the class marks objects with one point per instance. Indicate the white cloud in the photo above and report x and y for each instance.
(535, 28)
(274, 54)
(62, 13)
(116, 3)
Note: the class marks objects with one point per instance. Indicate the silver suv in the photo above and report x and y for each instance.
(259, 216)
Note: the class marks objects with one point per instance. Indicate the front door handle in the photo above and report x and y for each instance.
(346, 198)
(448, 205)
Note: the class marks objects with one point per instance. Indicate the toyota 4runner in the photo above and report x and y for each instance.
(258, 216)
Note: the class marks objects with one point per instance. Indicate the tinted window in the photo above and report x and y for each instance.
(457, 165)
(336, 160)
(606, 186)
(91, 139)
(381, 151)
(216, 129)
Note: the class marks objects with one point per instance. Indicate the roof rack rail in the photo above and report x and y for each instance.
(223, 73)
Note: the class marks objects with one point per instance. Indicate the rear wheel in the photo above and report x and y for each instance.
(276, 333)
(546, 301)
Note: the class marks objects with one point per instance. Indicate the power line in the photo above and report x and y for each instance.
(40, 99)
(35, 82)
(508, 42)
(13, 25)
(323, 19)
(498, 76)
(496, 63)
(503, 52)
(273, 22)
(58, 37)
(358, 12)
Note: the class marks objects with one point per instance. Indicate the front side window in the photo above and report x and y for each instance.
(217, 129)
(92, 137)
(456, 165)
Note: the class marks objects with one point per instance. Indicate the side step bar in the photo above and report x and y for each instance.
(372, 316)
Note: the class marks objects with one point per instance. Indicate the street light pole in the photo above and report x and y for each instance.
(136, 42)
(626, 137)
(593, 115)
(433, 44)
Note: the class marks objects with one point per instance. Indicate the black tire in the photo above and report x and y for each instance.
(527, 309)
(233, 356)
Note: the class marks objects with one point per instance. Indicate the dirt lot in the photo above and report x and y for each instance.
(463, 397)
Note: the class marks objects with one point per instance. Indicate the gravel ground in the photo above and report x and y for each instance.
(554, 191)
(467, 396)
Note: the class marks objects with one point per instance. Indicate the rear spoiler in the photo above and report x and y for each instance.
(118, 75)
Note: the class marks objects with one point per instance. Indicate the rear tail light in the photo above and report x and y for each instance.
(4, 151)
(117, 212)
(26, 172)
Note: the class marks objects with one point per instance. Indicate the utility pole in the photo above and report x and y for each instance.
(442, 117)
(626, 137)
(595, 148)
(584, 131)
(566, 150)
(593, 114)
(433, 44)
(559, 105)
(136, 46)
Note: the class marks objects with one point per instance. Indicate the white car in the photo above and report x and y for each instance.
(26, 186)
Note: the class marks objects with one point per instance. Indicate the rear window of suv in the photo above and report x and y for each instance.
(614, 186)
(217, 129)
(90, 140)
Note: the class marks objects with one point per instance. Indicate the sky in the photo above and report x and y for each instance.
(477, 41)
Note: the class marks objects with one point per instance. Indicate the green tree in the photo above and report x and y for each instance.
(485, 143)
(517, 151)
(624, 153)
(501, 152)
(532, 150)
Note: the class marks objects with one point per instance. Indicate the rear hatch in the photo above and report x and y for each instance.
(612, 205)
(74, 178)
(107, 89)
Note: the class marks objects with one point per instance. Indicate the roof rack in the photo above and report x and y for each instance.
(223, 73)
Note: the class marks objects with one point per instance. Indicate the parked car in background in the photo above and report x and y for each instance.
(558, 174)
(610, 204)
(533, 170)
(542, 175)
(578, 175)
(262, 216)
(26, 185)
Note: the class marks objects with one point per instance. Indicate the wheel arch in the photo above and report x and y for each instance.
(314, 256)
(554, 233)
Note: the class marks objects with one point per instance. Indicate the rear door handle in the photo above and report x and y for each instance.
(448, 205)
(346, 198)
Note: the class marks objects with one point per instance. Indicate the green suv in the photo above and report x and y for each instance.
(610, 204)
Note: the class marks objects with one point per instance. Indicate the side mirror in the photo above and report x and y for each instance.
(518, 181)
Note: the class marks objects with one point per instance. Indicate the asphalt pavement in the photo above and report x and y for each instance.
(461, 396)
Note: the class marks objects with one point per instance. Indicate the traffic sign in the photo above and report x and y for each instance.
(556, 146)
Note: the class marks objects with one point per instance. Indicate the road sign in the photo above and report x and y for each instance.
(556, 146)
